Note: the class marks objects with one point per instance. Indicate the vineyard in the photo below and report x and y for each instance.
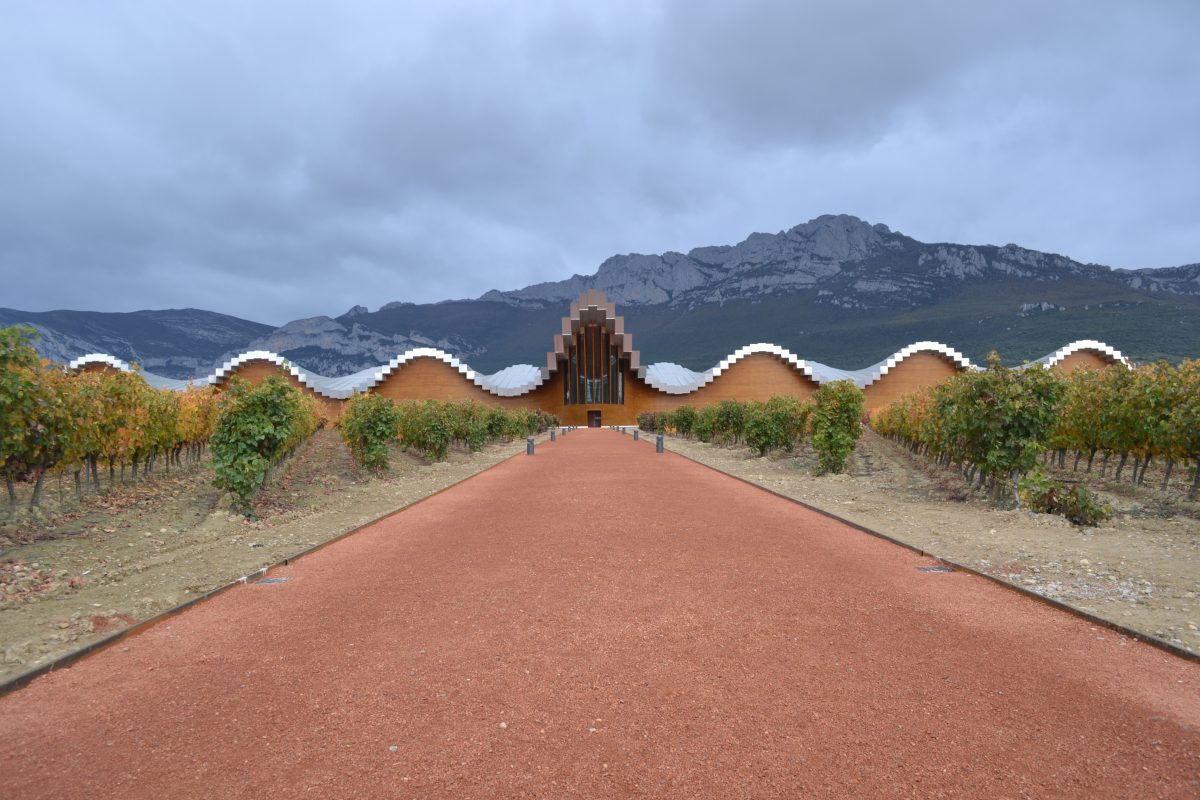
(1000, 427)
(831, 423)
(50, 420)
(1032, 435)
(106, 428)
(430, 427)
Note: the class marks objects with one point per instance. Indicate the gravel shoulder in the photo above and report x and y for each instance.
(1141, 569)
(89, 569)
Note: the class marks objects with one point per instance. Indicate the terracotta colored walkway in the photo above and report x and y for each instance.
(602, 621)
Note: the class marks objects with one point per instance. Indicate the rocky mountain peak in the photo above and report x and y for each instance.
(842, 260)
(839, 237)
(790, 260)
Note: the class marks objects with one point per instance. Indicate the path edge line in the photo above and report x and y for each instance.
(67, 659)
(1135, 635)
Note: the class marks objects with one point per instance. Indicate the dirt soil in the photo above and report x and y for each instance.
(1141, 569)
(602, 621)
(86, 571)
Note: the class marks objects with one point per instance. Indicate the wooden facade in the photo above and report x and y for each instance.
(918, 371)
(1083, 359)
(98, 366)
(256, 372)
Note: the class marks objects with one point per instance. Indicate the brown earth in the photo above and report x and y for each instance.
(1140, 569)
(602, 621)
(87, 570)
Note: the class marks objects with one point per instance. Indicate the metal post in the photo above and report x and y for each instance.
(529, 446)
(635, 434)
(658, 444)
(552, 433)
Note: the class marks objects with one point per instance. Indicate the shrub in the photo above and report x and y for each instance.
(468, 423)
(496, 423)
(369, 424)
(706, 422)
(424, 427)
(776, 424)
(653, 421)
(258, 426)
(836, 423)
(729, 422)
(513, 426)
(1048, 496)
(684, 419)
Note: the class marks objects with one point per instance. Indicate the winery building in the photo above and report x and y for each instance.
(593, 375)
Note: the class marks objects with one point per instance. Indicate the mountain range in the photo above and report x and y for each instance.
(835, 289)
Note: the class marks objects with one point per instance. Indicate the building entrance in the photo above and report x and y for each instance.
(593, 419)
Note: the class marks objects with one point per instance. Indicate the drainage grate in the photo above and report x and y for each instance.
(272, 580)
(936, 568)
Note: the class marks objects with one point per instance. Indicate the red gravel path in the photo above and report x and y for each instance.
(602, 621)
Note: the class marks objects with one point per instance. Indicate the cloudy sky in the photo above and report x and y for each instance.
(277, 160)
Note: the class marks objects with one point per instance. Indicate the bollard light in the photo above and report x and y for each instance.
(552, 433)
(658, 444)
(635, 434)
(529, 446)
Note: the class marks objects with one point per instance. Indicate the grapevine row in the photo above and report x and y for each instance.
(832, 422)
(52, 420)
(994, 425)
(370, 423)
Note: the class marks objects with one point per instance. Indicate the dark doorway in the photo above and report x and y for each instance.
(593, 419)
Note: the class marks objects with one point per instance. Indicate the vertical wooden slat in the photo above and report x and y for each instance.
(607, 368)
(613, 364)
(599, 368)
(595, 348)
(608, 376)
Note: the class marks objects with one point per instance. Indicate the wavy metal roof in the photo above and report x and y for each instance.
(674, 379)
(509, 382)
(520, 379)
(1100, 348)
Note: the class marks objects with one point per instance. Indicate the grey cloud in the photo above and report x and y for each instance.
(276, 162)
(796, 73)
